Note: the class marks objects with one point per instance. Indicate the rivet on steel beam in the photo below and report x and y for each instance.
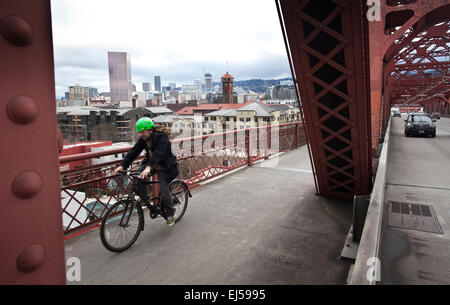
(16, 30)
(31, 258)
(22, 110)
(26, 185)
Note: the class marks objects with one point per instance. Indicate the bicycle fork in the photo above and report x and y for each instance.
(126, 219)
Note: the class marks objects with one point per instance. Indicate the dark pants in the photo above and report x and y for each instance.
(164, 193)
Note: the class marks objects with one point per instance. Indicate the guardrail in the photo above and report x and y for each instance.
(88, 191)
(366, 269)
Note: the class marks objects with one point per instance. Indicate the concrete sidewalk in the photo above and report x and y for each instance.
(259, 225)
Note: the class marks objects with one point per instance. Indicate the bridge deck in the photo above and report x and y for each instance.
(418, 173)
(260, 225)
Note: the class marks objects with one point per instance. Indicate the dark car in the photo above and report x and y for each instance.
(420, 124)
(396, 113)
(435, 115)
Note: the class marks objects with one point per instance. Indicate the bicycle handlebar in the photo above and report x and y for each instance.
(134, 173)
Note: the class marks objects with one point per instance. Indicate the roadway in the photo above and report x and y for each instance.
(260, 225)
(418, 174)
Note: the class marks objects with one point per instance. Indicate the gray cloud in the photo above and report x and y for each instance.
(89, 67)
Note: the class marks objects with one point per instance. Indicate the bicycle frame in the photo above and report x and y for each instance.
(126, 218)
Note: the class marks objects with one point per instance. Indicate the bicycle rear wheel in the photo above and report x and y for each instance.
(121, 225)
(180, 192)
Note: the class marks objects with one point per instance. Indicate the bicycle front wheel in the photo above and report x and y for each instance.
(179, 191)
(121, 225)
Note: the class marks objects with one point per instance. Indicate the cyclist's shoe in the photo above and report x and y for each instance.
(170, 221)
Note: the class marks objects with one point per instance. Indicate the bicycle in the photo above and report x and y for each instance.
(124, 220)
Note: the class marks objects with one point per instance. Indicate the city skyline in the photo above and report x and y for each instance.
(255, 49)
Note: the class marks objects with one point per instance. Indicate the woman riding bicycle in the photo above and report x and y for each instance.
(159, 158)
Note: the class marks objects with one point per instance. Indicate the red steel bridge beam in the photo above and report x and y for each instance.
(327, 44)
(31, 232)
(421, 67)
(394, 25)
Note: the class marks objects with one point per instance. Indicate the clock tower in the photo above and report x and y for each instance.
(227, 88)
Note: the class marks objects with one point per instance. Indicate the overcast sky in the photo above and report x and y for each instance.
(175, 39)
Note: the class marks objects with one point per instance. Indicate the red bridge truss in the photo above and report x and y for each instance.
(352, 60)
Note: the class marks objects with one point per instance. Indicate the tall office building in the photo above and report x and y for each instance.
(227, 89)
(146, 87)
(172, 85)
(208, 82)
(119, 76)
(158, 83)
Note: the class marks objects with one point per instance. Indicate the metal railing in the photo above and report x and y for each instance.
(87, 191)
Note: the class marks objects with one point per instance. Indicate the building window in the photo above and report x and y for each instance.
(248, 119)
(241, 119)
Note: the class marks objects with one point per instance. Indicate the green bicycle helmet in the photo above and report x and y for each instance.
(144, 124)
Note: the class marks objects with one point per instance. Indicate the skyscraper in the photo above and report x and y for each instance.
(146, 87)
(208, 82)
(158, 83)
(227, 89)
(119, 76)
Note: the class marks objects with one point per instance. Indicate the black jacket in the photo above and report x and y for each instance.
(161, 157)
